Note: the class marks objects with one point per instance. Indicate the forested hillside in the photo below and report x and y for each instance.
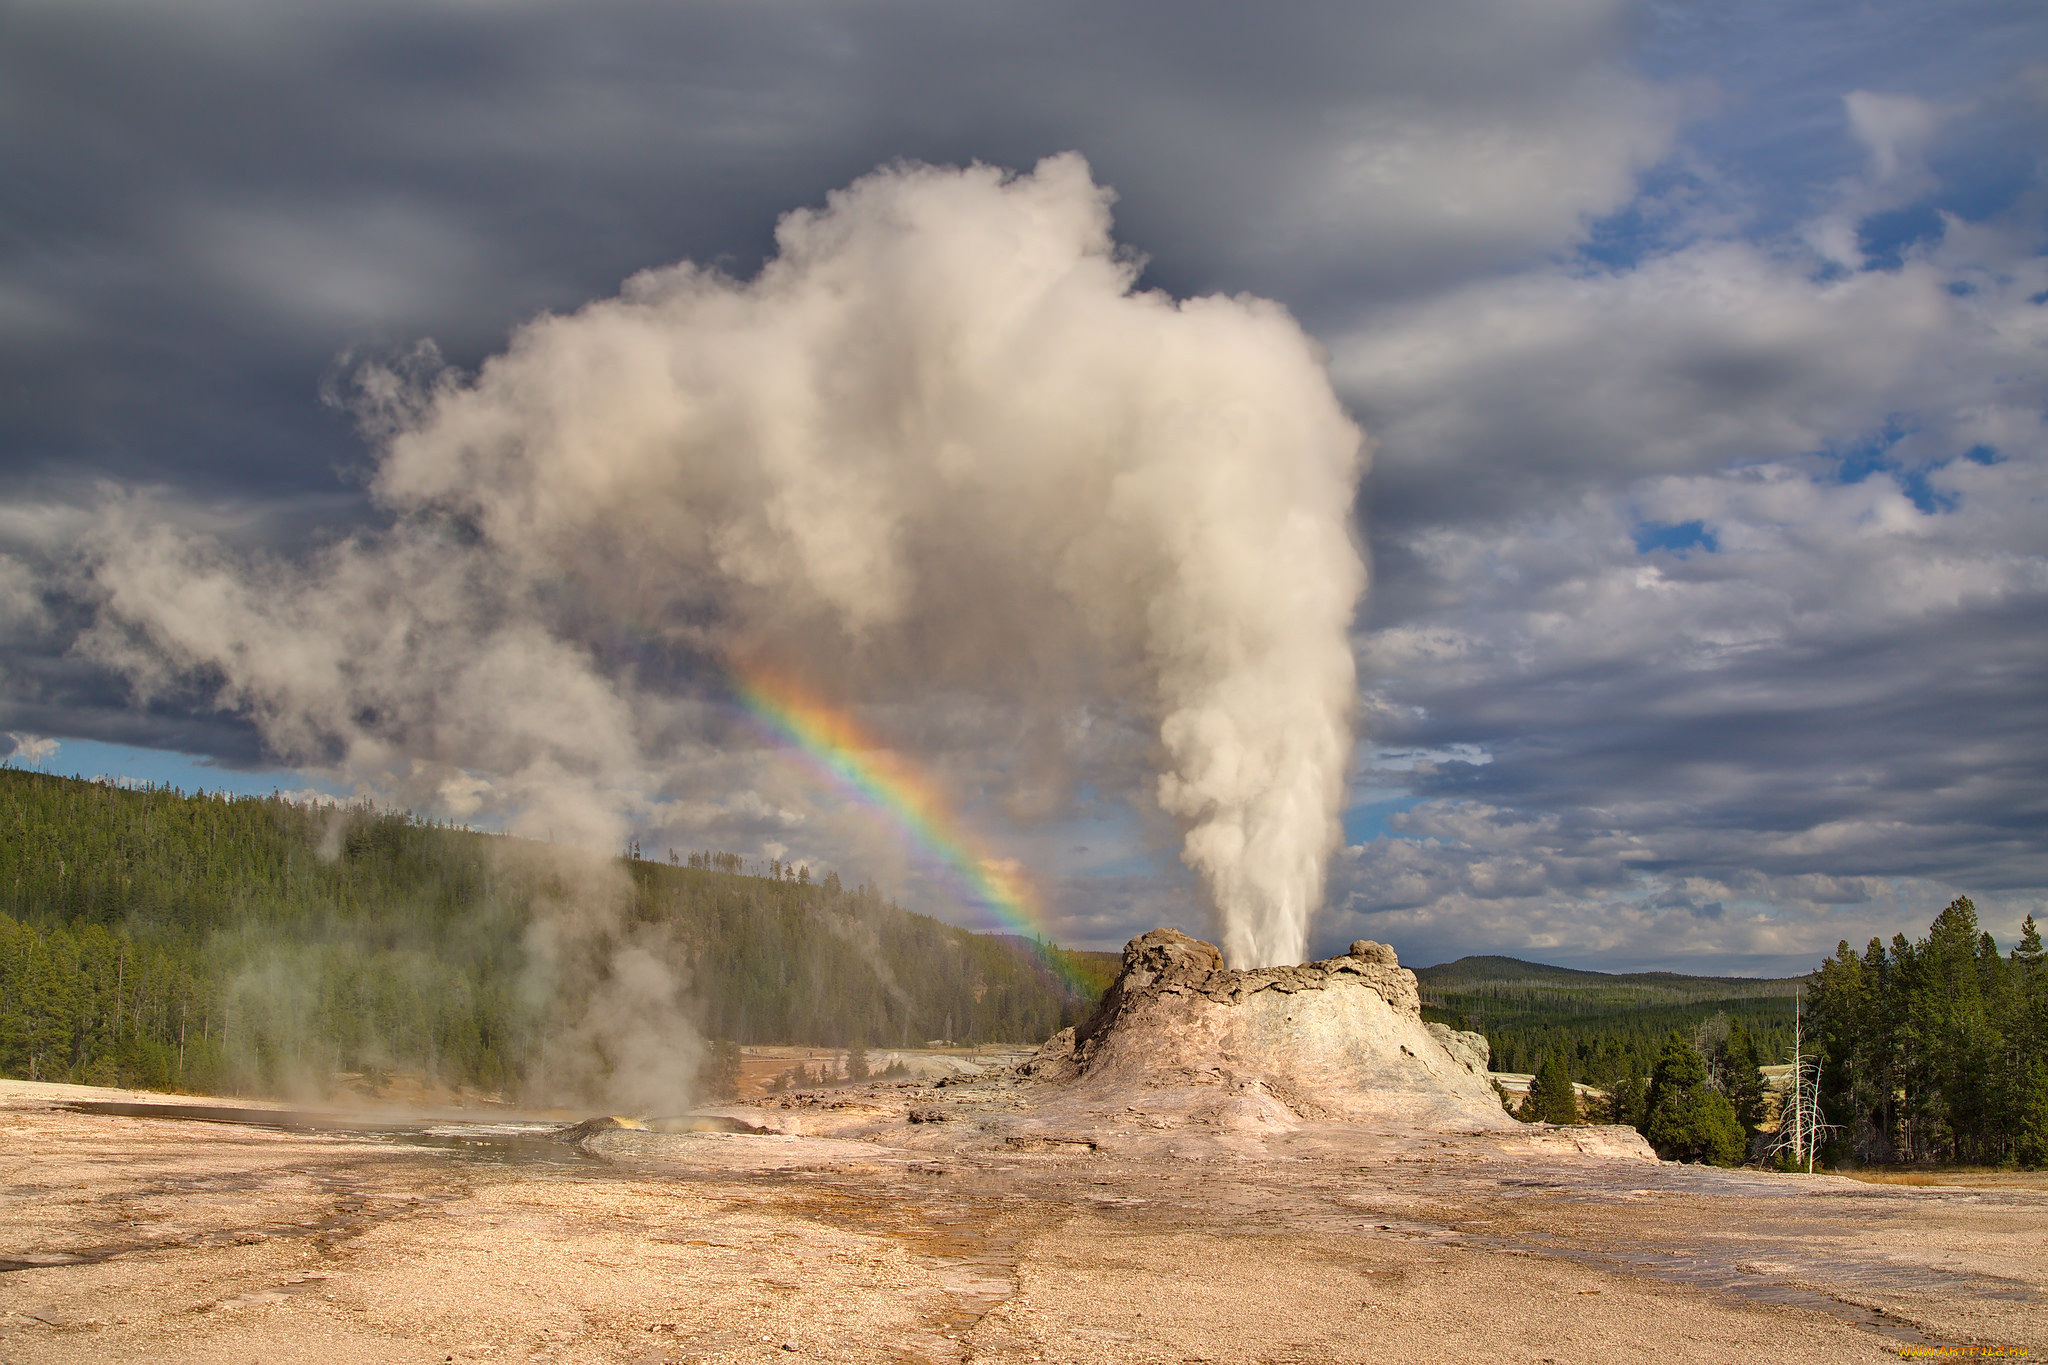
(216, 943)
(1606, 1027)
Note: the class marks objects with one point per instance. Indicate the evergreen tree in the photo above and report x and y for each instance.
(1742, 1079)
(2028, 1036)
(1953, 1044)
(2026, 954)
(1687, 1120)
(1551, 1098)
(2027, 1003)
(1628, 1101)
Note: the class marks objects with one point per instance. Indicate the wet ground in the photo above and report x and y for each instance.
(210, 1233)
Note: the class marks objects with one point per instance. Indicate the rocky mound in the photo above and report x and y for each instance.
(1339, 1039)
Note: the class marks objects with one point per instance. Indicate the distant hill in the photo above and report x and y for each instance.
(1508, 976)
(1605, 1024)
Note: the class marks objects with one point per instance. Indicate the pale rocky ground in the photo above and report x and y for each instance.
(1020, 1217)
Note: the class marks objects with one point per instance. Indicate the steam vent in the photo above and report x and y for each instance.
(1182, 1037)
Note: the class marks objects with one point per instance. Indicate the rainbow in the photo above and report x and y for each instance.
(834, 747)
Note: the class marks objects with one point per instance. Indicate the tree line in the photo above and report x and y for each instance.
(205, 942)
(1926, 1050)
(1935, 1049)
(1608, 1030)
(91, 1005)
(1701, 1099)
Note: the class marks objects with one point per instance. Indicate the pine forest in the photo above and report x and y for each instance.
(242, 945)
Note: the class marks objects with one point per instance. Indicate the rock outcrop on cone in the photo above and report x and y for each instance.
(1340, 1039)
(1470, 1048)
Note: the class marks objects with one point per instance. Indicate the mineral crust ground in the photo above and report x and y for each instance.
(179, 1240)
(1165, 1188)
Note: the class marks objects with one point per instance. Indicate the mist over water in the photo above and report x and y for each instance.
(939, 448)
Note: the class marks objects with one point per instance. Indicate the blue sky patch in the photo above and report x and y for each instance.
(1885, 238)
(127, 765)
(1913, 483)
(1368, 821)
(1857, 463)
(1675, 537)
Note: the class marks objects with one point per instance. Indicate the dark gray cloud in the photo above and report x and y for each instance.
(208, 205)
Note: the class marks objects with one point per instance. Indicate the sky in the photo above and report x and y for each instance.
(1702, 354)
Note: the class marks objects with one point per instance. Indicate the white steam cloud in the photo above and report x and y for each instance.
(939, 446)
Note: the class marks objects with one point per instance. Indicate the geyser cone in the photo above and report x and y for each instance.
(1340, 1039)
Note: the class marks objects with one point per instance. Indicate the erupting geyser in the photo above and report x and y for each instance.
(939, 450)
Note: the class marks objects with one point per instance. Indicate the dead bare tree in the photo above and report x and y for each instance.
(1801, 1127)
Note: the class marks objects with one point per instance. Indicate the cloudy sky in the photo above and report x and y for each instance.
(1703, 353)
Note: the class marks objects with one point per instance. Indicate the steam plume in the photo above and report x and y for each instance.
(939, 446)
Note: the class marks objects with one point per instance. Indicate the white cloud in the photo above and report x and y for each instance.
(1379, 759)
(1895, 129)
(1541, 385)
(1421, 187)
(31, 750)
(1486, 881)
(21, 598)
(313, 796)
